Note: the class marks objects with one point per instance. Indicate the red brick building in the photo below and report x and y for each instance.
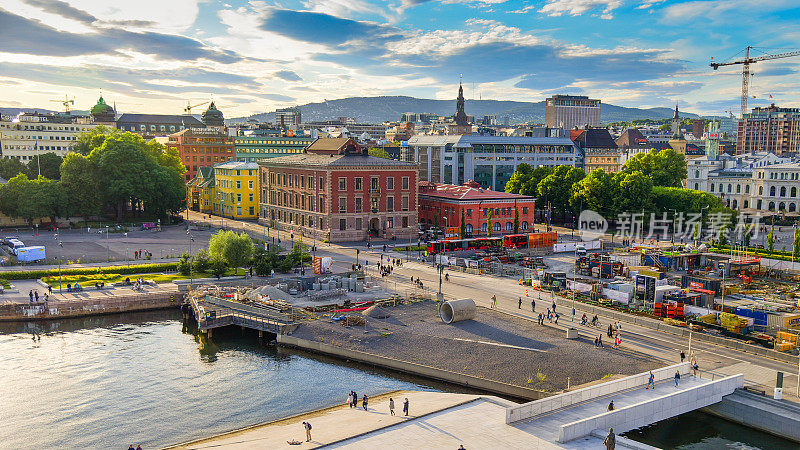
(336, 191)
(443, 204)
(200, 147)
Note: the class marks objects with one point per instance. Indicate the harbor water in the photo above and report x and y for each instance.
(145, 378)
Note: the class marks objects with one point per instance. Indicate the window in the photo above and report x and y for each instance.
(772, 193)
(468, 212)
(390, 222)
(483, 227)
(252, 211)
(342, 224)
(793, 192)
(390, 204)
(374, 204)
(358, 182)
(389, 182)
(712, 187)
(238, 184)
(302, 181)
(524, 225)
(524, 210)
(358, 205)
(238, 198)
(405, 221)
(342, 183)
(358, 223)
(405, 183)
(238, 210)
(250, 184)
(310, 182)
(321, 183)
(342, 204)
(405, 203)
(783, 191)
(374, 184)
(509, 226)
(738, 188)
(746, 189)
(251, 197)
(497, 226)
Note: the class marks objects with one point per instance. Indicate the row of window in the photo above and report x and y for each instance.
(71, 137)
(358, 183)
(229, 197)
(17, 126)
(143, 128)
(496, 226)
(359, 225)
(283, 179)
(374, 204)
(223, 183)
(773, 191)
(295, 200)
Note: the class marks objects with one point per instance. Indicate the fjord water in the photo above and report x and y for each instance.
(145, 378)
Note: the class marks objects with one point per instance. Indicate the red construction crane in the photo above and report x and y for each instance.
(746, 69)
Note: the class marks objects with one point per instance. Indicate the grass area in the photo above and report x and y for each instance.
(109, 278)
(5, 283)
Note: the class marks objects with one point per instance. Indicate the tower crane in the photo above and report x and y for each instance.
(746, 69)
(189, 106)
(66, 102)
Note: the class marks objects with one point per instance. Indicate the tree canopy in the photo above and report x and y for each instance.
(525, 179)
(557, 186)
(665, 167)
(235, 249)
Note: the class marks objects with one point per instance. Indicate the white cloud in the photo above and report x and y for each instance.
(649, 3)
(578, 7)
(170, 15)
(721, 10)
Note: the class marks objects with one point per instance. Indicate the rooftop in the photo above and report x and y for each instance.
(237, 165)
(463, 192)
(184, 119)
(313, 159)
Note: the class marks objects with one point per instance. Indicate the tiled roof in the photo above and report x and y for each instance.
(313, 159)
(185, 119)
(595, 138)
(632, 138)
(237, 165)
(455, 192)
(328, 144)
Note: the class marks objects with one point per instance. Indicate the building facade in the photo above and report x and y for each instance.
(199, 147)
(570, 111)
(444, 206)
(769, 129)
(253, 148)
(344, 197)
(287, 117)
(600, 151)
(30, 134)
(150, 126)
(201, 192)
(488, 160)
(236, 189)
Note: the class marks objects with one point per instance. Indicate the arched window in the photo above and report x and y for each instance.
(746, 204)
(712, 187)
(738, 188)
(497, 226)
(734, 204)
(746, 188)
(729, 188)
(772, 191)
(783, 191)
(696, 186)
(720, 187)
(793, 192)
(509, 226)
(792, 207)
(468, 228)
(781, 206)
(524, 225)
(483, 227)
(771, 206)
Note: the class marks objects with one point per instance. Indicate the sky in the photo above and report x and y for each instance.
(157, 56)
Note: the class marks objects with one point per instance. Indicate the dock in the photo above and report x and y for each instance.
(212, 312)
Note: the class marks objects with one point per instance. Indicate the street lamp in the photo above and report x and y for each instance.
(126, 249)
(108, 251)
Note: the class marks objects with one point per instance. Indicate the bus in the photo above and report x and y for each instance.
(453, 245)
(515, 241)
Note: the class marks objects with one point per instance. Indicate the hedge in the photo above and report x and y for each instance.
(122, 270)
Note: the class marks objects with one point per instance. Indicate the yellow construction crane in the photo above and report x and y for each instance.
(746, 69)
(189, 107)
(66, 102)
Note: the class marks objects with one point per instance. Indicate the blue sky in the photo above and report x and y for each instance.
(155, 56)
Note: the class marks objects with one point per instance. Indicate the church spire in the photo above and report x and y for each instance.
(461, 115)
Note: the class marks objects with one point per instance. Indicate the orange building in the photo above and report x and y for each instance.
(200, 147)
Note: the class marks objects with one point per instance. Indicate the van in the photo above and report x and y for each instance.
(15, 244)
(580, 250)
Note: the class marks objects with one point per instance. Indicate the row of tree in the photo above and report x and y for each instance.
(47, 164)
(110, 171)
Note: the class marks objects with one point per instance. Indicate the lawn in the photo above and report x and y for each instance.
(110, 278)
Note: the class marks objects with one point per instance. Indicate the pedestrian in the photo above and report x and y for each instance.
(50, 289)
(138, 447)
(355, 399)
(600, 341)
(533, 305)
(30, 295)
(677, 377)
(683, 356)
(307, 426)
(350, 399)
(36, 295)
(610, 330)
(130, 447)
(391, 406)
(405, 406)
(695, 367)
(520, 303)
(610, 440)
(461, 447)
(595, 342)
(493, 301)
(651, 381)
(611, 406)
(556, 318)
(554, 306)
(364, 402)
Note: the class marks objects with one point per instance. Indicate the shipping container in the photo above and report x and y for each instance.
(698, 282)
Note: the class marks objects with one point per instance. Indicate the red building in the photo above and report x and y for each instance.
(443, 204)
(336, 191)
(198, 147)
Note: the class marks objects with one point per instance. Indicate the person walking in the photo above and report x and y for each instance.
(364, 402)
(556, 315)
(533, 305)
(307, 426)
(405, 406)
(50, 289)
(391, 406)
(611, 440)
(554, 306)
(350, 399)
(677, 377)
(36, 295)
(600, 341)
(611, 406)
(683, 355)
(651, 381)
(520, 303)
(694, 366)
(30, 295)
(355, 399)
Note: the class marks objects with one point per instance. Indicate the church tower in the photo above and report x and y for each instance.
(461, 121)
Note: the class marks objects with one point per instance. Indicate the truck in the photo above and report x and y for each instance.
(27, 254)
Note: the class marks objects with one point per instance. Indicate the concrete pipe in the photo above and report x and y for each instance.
(457, 310)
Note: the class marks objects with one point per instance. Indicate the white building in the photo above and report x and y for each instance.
(752, 182)
(489, 160)
(26, 135)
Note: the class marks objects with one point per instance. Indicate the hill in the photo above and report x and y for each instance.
(390, 108)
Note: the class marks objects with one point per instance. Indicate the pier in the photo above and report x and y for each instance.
(211, 311)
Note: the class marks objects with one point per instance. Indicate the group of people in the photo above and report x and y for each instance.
(493, 302)
(142, 254)
(595, 321)
(416, 281)
(352, 401)
(34, 295)
(549, 315)
(138, 447)
(385, 270)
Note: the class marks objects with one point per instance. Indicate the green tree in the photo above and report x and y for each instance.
(80, 180)
(598, 191)
(489, 222)
(723, 236)
(685, 200)
(264, 260)
(378, 152)
(235, 249)
(185, 264)
(635, 191)
(48, 164)
(516, 220)
(525, 179)
(665, 167)
(92, 139)
(557, 187)
(771, 240)
(201, 261)
(218, 265)
(31, 199)
(11, 167)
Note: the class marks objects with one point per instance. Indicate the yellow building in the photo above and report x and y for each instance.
(201, 192)
(236, 186)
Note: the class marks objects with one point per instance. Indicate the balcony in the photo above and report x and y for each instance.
(375, 191)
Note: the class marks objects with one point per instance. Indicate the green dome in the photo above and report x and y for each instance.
(102, 112)
(212, 116)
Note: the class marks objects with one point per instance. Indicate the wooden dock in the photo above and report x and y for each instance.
(215, 312)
